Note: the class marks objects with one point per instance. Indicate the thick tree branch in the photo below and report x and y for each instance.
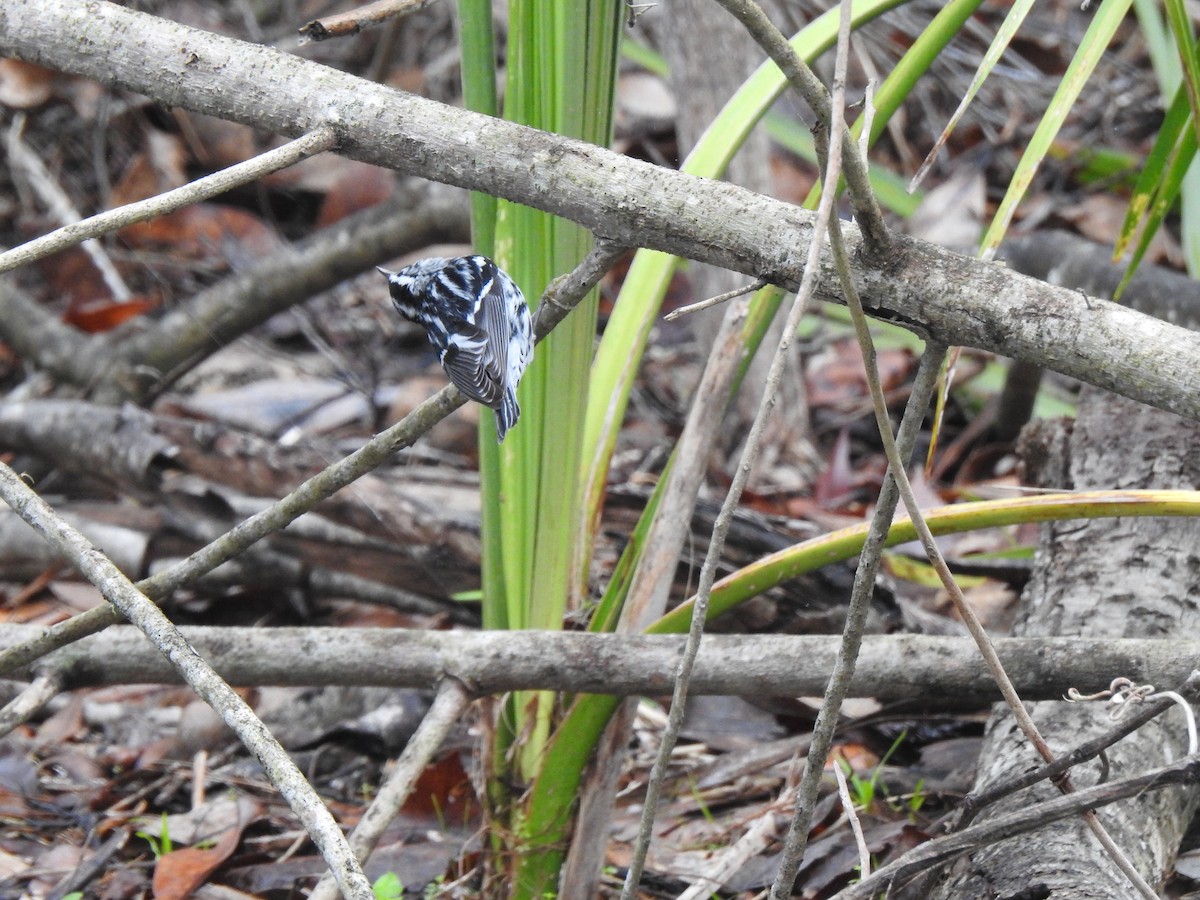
(954, 299)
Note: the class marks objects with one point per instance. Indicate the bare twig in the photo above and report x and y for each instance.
(714, 301)
(864, 855)
(728, 861)
(318, 140)
(355, 20)
(651, 584)
(944, 849)
(30, 701)
(802, 79)
(142, 612)
(864, 580)
(27, 162)
(976, 801)
(139, 364)
(847, 662)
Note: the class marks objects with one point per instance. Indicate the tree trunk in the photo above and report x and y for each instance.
(1104, 577)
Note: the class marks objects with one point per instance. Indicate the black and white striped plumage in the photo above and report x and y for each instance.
(477, 320)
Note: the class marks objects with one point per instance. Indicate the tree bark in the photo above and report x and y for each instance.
(957, 300)
(1117, 578)
(894, 667)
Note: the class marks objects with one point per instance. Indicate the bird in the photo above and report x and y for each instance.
(477, 320)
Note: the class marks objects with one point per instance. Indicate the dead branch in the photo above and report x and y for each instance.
(936, 671)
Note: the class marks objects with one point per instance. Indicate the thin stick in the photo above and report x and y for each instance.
(976, 801)
(844, 667)
(721, 529)
(713, 301)
(30, 701)
(448, 706)
(864, 855)
(26, 161)
(864, 579)
(316, 141)
(352, 22)
(808, 86)
(1022, 821)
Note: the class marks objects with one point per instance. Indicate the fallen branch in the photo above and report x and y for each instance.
(934, 670)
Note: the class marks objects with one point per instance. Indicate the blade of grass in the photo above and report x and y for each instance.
(1180, 22)
(791, 562)
(1168, 190)
(477, 59)
(1097, 38)
(1004, 35)
(561, 77)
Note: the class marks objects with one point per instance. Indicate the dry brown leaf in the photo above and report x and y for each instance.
(24, 85)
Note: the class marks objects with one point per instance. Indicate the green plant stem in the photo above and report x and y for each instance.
(792, 562)
(560, 75)
(477, 58)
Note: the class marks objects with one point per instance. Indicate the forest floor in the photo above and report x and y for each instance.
(101, 789)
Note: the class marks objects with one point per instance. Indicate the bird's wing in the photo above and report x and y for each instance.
(470, 361)
(492, 315)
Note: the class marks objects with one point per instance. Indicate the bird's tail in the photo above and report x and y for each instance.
(507, 413)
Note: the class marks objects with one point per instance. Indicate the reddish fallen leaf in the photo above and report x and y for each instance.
(836, 483)
(443, 792)
(71, 276)
(216, 143)
(355, 186)
(206, 231)
(180, 872)
(104, 315)
(64, 725)
(162, 167)
(836, 375)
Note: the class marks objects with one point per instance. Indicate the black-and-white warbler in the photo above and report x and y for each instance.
(477, 320)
